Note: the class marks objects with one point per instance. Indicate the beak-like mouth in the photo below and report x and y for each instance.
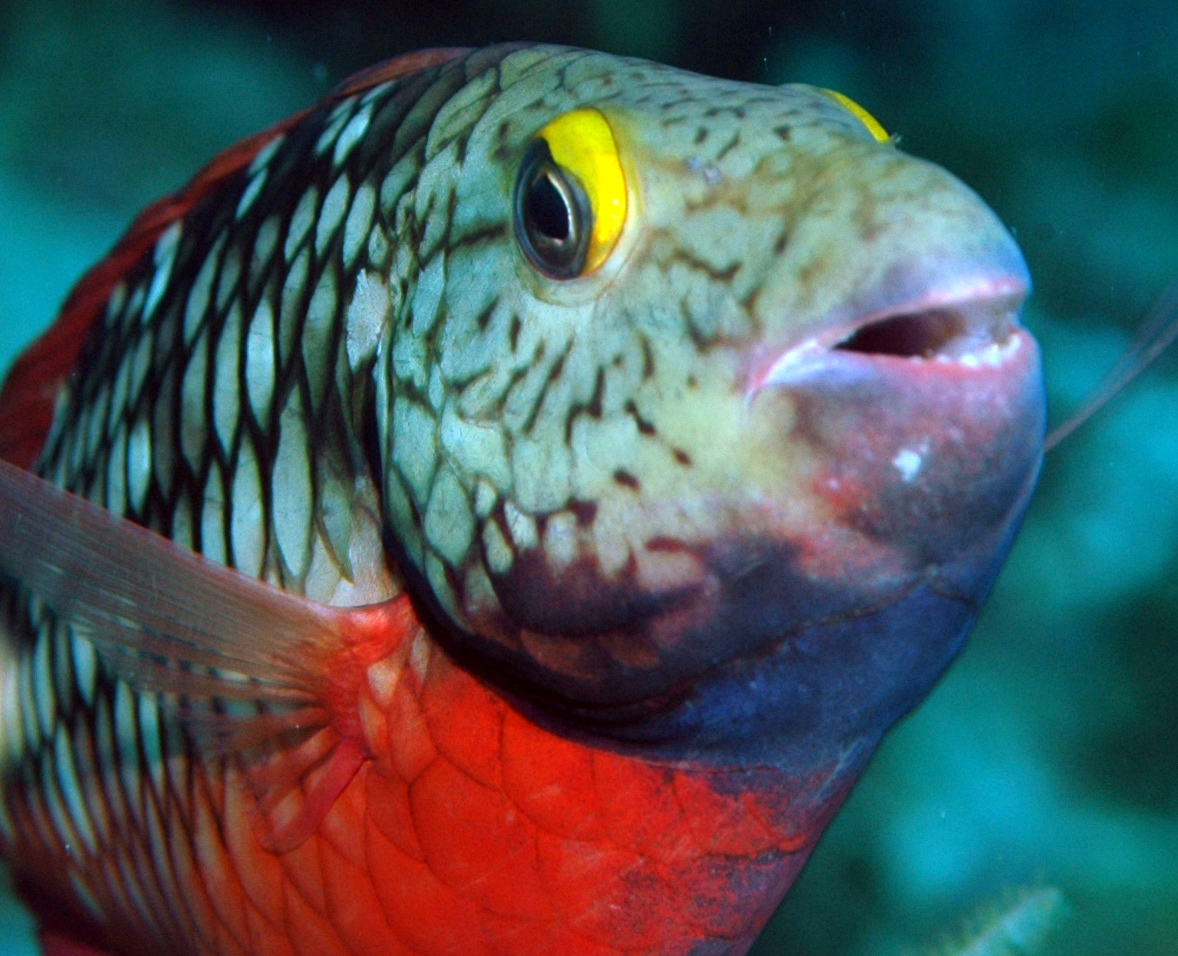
(969, 326)
(923, 421)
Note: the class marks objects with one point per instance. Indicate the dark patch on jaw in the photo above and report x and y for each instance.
(513, 335)
(578, 603)
(781, 243)
(701, 134)
(785, 132)
(682, 457)
(627, 480)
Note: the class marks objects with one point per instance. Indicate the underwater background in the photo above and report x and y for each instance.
(1045, 765)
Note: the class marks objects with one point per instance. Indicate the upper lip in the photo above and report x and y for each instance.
(967, 323)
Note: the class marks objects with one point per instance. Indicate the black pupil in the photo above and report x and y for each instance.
(546, 209)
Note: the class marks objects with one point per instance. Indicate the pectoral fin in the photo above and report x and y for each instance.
(252, 670)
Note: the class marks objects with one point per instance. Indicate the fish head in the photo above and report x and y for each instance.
(707, 416)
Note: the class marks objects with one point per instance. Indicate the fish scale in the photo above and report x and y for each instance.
(213, 246)
(331, 364)
(90, 453)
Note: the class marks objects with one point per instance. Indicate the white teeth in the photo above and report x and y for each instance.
(908, 461)
(991, 355)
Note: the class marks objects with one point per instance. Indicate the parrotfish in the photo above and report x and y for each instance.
(498, 510)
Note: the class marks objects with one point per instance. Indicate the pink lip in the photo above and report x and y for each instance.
(961, 326)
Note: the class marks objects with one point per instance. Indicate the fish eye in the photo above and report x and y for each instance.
(570, 196)
(870, 122)
(552, 215)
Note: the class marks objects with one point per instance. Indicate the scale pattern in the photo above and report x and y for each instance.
(223, 401)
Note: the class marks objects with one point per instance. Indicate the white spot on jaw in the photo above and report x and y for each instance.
(908, 461)
(709, 172)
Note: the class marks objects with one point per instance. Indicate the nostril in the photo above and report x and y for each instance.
(918, 335)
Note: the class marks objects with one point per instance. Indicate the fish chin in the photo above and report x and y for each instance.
(806, 620)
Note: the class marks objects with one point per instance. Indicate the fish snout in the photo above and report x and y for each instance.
(923, 424)
(924, 415)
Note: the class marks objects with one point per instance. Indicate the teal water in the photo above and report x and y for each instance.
(1049, 755)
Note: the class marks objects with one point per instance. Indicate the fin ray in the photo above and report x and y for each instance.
(127, 586)
(251, 671)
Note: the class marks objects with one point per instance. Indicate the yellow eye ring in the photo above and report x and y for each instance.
(870, 122)
(570, 195)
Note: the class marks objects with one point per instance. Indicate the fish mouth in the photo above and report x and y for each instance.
(969, 324)
(924, 416)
